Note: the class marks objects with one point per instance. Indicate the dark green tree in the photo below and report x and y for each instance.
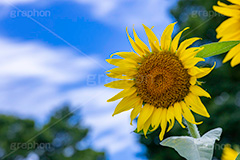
(223, 83)
(61, 138)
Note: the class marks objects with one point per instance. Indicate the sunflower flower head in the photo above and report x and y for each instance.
(160, 85)
(229, 30)
(229, 153)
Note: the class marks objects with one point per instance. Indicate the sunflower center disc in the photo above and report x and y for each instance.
(162, 80)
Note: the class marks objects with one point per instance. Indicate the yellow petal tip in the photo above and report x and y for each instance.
(214, 8)
(224, 60)
(144, 26)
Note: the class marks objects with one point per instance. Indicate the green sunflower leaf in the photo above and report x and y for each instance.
(238, 157)
(194, 148)
(216, 48)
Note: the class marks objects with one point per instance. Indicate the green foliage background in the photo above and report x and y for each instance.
(223, 83)
(61, 134)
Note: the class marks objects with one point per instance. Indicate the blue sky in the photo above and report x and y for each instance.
(57, 56)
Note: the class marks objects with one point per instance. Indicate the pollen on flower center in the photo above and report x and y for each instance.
(162, 80)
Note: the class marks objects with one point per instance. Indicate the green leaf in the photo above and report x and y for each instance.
(216, 48)
(238, 157)
(194, 148)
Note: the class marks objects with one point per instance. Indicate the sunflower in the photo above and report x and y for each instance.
(229, 153)
(159, 85)
(229, 30)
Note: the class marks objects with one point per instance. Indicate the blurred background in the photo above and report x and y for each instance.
(52, 63)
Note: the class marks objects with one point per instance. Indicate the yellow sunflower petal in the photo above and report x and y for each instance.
(227, 11)
(196, 105)
(205, 71)
(186, 44)
(229, 153)
(236, 60)
(130, 55)
(222, 4)
(233, 36)
(139, 42)
(193, 80)
(163, 124)
(153, 41)
(194, 71)
(156, 118)
(117, 76)
(235, 1)
(128, 63)
(145, 113)
(146, 126)
(229, 6)
(170, 118)
(125, 93)
(225, 25)
(226, 31)
(190, 53)
(113, 61)
(166, 38)
(123, 71)
(120, 84)
(192, 62)
(126, 104)
(187, 114)
(136, 110)
(178, 113)
(198, 91)
(233, 52)
(176, 39)
(135, 46)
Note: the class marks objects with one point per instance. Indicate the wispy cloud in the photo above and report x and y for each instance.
(118, 13)
(35, 78)
(36, 74)
(127, 12)
(6, 2)
(21, 60)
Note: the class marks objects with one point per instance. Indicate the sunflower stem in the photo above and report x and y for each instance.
(193, 129)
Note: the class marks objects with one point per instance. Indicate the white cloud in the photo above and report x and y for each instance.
(113, 133)
(33, 75)
(101, 8)
(32, 84)
(117, 12)
(129, 12)
(33, 60)
(7, 2)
